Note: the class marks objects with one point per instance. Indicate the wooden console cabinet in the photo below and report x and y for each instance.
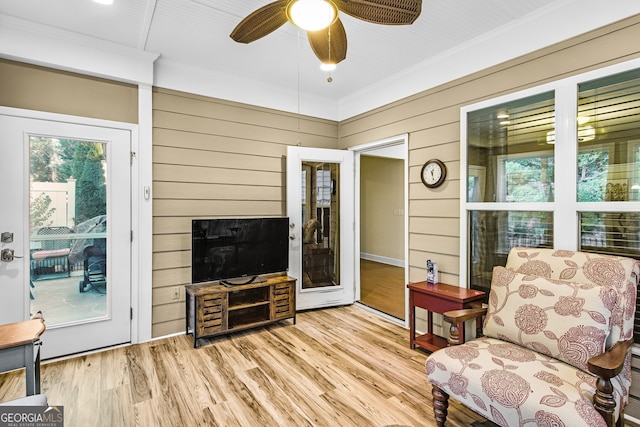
(215, 309)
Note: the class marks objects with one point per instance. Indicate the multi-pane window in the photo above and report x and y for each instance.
(556, 167)
(510, 162)
(609, 122)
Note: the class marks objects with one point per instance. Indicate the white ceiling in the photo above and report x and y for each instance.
(384, 63)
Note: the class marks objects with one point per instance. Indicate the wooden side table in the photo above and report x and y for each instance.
(17, 342)
(437, 298)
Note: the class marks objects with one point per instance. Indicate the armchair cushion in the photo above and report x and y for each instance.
(566, 320)
(515, 386)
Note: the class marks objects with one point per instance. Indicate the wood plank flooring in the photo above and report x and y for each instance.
(382, 287)
(336, 367)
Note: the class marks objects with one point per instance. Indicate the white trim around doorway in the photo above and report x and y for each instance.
(140, 210)
(394, 147)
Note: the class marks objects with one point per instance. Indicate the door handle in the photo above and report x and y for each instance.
(7, 255)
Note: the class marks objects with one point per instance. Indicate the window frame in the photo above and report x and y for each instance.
(565, 207)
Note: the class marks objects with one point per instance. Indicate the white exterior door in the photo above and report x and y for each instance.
(66, 210)
(320, 206)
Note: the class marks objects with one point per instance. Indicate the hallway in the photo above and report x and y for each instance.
(382, 287)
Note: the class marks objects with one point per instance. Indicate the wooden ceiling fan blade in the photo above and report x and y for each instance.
(330, 44)
(261, 22)
(387, 12)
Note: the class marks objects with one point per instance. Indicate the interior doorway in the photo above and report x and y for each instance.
(381, 226)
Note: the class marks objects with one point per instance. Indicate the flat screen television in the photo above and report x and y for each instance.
(242, 248)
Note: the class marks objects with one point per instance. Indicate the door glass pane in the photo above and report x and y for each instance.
(68, 229)
(510, 151)
(321, 219)
(609, 137)
(494, 233)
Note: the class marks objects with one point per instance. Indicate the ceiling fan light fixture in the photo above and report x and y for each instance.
(312, 15)
(327, 67)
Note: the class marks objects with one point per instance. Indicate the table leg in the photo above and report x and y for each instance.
(412, 322)
(30, 374)
(37, 368)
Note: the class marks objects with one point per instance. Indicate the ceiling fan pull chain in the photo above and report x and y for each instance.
(329, 79)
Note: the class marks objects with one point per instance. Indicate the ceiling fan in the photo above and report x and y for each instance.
(329, 43)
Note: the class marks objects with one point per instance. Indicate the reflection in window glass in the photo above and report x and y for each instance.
(608, 137)
(513, 144)
(323, 187)
(494, 233)
(616, 233)
(320, 231)
(526, 177)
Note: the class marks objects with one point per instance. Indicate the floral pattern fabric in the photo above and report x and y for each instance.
(591, 307)
(515, 386)
(562, 319)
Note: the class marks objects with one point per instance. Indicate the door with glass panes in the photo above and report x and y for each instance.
(320, 206)
(66, 229)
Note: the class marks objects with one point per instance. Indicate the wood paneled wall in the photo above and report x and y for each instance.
(213, 158)
(31, 87)
(432, 119)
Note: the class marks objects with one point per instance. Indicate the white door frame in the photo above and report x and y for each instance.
(379, 148)
(138, 298)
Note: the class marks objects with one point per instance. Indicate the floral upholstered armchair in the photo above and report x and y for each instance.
(557, 343)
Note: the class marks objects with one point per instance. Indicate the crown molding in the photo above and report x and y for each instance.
(52, 47)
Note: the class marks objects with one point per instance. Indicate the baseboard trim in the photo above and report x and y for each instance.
(383, 315)
(383, 259)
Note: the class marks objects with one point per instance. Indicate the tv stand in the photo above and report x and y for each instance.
(215, 309)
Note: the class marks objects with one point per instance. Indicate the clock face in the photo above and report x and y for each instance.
(433, 173)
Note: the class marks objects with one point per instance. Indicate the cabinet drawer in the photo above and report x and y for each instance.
(210, 314)
(282, 300)
(211, 300)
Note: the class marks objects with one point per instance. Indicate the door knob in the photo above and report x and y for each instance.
(7, 255)
(292, 237)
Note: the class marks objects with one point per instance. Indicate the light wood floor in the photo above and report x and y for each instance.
(382, 287)
(336, 367)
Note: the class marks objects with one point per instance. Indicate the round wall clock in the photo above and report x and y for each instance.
(433, 173)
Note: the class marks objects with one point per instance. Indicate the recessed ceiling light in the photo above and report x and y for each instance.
(107, 2)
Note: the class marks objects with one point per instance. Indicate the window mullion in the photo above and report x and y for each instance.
(566, 170)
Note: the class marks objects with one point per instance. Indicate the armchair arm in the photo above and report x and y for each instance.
(610, 363)
(457, 319)
(461, 316)
(606, 366)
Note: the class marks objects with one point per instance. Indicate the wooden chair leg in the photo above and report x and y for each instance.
(603, 400)
(440, 405)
